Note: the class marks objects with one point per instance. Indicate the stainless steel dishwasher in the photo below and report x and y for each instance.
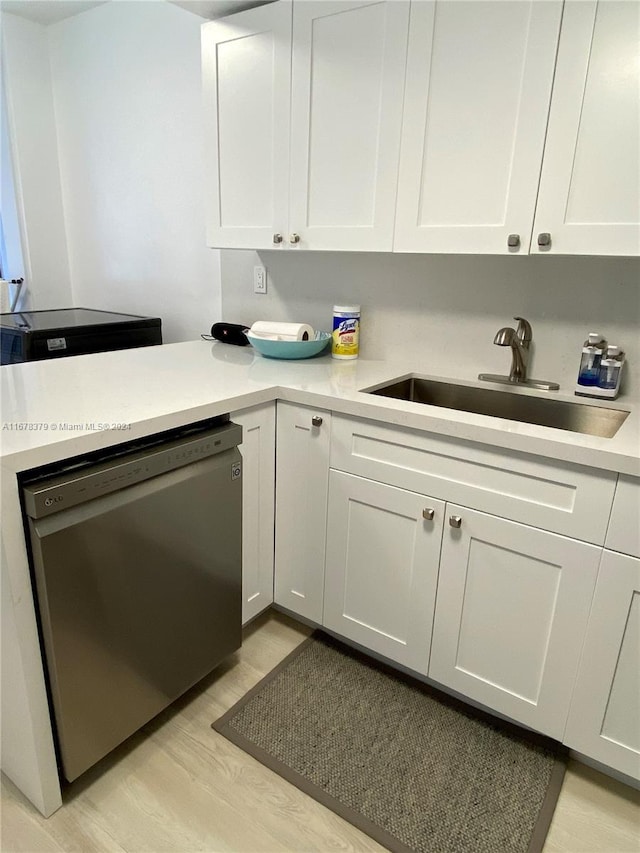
(137, 565)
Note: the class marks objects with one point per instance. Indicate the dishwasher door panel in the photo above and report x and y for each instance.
(140, 597)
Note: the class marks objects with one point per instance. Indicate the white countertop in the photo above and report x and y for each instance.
(56, 409)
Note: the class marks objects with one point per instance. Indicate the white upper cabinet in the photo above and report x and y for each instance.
(589, 201)
(331, 98)
(246, 83)
(346, 110)
(474, 126)
(479, 78)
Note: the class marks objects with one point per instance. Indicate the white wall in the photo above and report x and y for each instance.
(127, 92)
(34, 153)
(442, 311)
(10, 236)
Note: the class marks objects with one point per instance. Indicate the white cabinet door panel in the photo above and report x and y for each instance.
(258, 506)
(346, 107)
(381, 567)
(511, 613)
(246, 83)
(604, 722)
(479, 77)
(623, 533)
(589, 197)
(301, 508)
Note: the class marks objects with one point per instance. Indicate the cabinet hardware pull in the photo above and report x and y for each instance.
(294, 238)
(455, 521)
(277, 238)
(428, 514)
(513, 241)
(316, 421)
(544, 239)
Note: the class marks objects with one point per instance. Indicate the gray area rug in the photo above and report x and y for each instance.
(411, 767)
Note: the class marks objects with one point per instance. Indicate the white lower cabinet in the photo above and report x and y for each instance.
(511, 614)
(492, 608)
(258, 498)
(623, 533)
(303, 438)
(604, 722)
(381, 567)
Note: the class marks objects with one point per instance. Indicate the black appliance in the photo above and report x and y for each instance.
(35, 335)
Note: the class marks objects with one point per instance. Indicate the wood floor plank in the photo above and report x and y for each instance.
(180, 787)
(595, 814)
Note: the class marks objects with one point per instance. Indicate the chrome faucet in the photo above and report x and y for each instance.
(519, 340)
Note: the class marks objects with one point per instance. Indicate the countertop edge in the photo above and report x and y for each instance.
(242, 380)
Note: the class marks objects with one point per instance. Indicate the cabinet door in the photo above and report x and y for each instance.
(346, 110)
(258, 504)
(302, 466)
(381, 567)
(589, 198)
(479, 77)
(604, 722)
(511, 615)
(623, 533)
(246, 83)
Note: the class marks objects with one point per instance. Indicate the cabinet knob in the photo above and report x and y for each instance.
(455, 521)
(513, 241)
(428, 514)
(544, 239)
(316, 421)
(294, 238)
(277, 238)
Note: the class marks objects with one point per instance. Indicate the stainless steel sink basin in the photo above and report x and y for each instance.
(559, 414)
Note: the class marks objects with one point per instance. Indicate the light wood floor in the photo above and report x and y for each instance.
(179, 786)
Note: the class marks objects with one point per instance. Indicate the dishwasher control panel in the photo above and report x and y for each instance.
(54, 494)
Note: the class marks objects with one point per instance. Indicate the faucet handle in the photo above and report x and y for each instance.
(524, 331)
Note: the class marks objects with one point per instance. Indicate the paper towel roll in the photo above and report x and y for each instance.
(282, 331)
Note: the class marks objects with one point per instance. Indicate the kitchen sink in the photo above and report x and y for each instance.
(559, 414)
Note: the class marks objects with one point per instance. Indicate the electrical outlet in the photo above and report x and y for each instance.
(259, 280)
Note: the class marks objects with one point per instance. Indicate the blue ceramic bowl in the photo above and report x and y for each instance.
(290, 349)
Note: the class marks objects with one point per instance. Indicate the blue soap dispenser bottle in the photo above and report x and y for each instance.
(610, 373)
(589, 372)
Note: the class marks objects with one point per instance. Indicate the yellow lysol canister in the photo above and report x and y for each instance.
(345, 341)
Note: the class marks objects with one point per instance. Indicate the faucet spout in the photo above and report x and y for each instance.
(504, 337)
(519, 341)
